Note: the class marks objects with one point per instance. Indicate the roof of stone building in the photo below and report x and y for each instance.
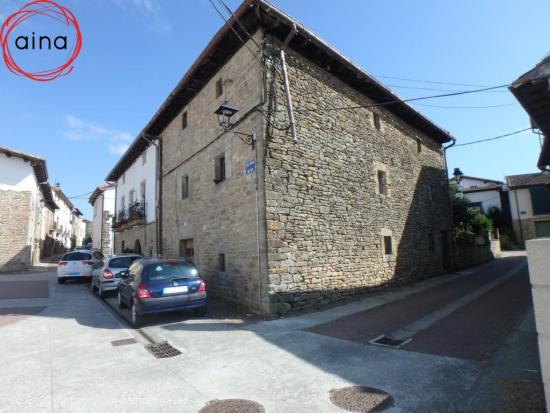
(40, 171)
(527, 180)
(249, 17)
(532, 90)
(63, 197)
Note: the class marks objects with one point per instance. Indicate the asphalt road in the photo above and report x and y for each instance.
(474, 331)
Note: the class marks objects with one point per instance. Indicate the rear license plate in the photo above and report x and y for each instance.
(173, 290)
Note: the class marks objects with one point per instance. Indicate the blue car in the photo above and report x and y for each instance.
(152, 286)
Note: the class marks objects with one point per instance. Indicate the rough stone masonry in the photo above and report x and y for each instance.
(320, 227)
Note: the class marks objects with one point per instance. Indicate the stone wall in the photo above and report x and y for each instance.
(15, 220)
(219, 218)
(475, 250)
(326, 218)
(146, 234)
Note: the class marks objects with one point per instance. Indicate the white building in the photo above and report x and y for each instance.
(484, 194)
(135, 223)
(66, 220)
(103, 202)
(530, 204)
(25, 204)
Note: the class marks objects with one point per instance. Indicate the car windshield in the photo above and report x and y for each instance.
(122, 262)
(170, 270)
(76, 256)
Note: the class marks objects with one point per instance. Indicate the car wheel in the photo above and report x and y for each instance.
(100, 291)
(136, 318)
(60, 280)
(201, 311)
(119, 300)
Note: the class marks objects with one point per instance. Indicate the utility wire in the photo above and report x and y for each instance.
(391, 102)
(431, 81)
(431, 88)
(81, 195)
(226, 7)
(466, 107)
(494, 138)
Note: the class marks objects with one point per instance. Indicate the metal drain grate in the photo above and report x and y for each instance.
(361, 399)
(123, 342)
(232, 406)
(162, 350)
(386, 341)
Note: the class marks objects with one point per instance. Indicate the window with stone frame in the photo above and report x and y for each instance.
(388, 247)
(376, 120)
(221, 262)
(219, 87)
(382, 182)
(184, 120)
(219, 169)
(418, 145)
(184, 186)
(187, 251)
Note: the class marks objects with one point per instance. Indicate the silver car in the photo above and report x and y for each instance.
(106, 278)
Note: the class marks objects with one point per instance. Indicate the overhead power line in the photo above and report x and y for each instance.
(466, 107)
(493, 138)
(431, 81)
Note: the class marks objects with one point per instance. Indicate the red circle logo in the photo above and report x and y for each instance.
(51, 10)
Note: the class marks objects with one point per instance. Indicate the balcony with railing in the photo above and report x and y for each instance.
(126, 218)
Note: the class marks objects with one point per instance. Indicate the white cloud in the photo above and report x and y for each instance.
(79, 130)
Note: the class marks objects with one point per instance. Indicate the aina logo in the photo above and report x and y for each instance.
(57, 51)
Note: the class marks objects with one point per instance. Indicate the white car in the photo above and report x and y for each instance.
(78, 264)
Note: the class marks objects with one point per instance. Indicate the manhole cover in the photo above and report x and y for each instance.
(361, 399)
(386, 341)
(123, 342)
(232, 406)
(162, 350)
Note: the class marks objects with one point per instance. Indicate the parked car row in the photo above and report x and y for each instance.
(144, 285)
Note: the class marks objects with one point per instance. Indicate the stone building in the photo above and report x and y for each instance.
(26, 209)
(327, 203)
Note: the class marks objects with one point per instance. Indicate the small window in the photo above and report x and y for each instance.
(150, 253)
(123, 202)
(221, 262)
(431, 243)
(122, 246)
(144, 158)
(382, 183)
(376, 120)
(131, 197)
(388, 249)
(418, 145)
(219, 169)
(187, 250)
(142, 190)
(184, 120)
(219, 87)
(184, 187)
(123, 178)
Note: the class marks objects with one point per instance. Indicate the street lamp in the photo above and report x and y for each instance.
(225, 112)
(458, 175)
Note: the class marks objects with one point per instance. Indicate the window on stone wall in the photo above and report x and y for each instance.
(184, 120)
(184, 187)
(123, 178)
(122, 246)
(219, 87)
(431, 242)
(388, 248)
(187, 250)
(221, 262)
(418, 145)
(144, 157)
(376, 120)
(432, 193)
(219, 169)
(382, 183)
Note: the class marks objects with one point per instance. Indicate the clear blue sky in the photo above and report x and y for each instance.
(135, 51)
